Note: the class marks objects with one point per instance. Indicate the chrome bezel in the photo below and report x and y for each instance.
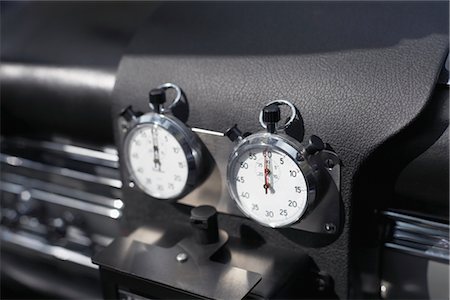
(188, 140)
(280, 143)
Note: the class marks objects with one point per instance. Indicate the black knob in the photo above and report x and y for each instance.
(315, 144)
(157, 97)
(233, 133)
(271, 116)
(204, 221)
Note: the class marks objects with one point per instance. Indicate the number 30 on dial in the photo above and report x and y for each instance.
(267, 183)
(163, 156)
(268, 173)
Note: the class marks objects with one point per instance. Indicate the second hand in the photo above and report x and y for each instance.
(266, 172)
(156, 160)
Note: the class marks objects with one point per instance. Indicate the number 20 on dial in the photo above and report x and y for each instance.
(268, 175)
(268, 185)
(163, 156)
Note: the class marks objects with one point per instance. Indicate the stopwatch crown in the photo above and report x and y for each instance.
(157, 96)
(271, 115)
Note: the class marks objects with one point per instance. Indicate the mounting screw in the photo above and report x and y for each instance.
(329, 163)
(324, 282)
(330, 228)
(321, 284)
(25, 195)
(384, 289)
(131, 184)
(299, 157)
(182, 257)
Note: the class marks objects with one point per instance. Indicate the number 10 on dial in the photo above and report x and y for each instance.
(268, 186)
(268, 175)
(163, 156)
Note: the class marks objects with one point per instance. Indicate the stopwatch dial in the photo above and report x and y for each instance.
(269, 186)
(157, 161)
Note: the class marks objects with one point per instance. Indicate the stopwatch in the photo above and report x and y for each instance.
(268, 174)
(162, 155)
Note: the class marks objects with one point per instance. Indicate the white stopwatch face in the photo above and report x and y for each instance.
(160, 158)
(267, 182)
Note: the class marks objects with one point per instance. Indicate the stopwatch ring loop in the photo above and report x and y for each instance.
(179, 94)
(280, 102)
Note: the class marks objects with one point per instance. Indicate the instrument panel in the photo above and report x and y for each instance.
(370, 92)
(269, 176)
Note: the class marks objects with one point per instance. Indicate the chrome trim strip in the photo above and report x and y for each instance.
(108, 157)
(79, 151)
(419, 239)
(80, 205)
(35, 244)
(418, 236)
(62, 200)
(394, 215)
(431, 253)
(28, 183)
(29, 164)
(423, 229)
(11, 188)
(63, 76)
(25, 175)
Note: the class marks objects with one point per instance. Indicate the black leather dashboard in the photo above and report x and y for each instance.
(363, 75)
(358, 84)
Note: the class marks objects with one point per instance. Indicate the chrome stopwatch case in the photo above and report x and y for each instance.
(269, 176)
(162, 155)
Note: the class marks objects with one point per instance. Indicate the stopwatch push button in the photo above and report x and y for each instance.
(128, 113)
(315, 144)
(233, 133)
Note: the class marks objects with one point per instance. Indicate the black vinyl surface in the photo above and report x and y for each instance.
(361, 73)
(356, 71)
